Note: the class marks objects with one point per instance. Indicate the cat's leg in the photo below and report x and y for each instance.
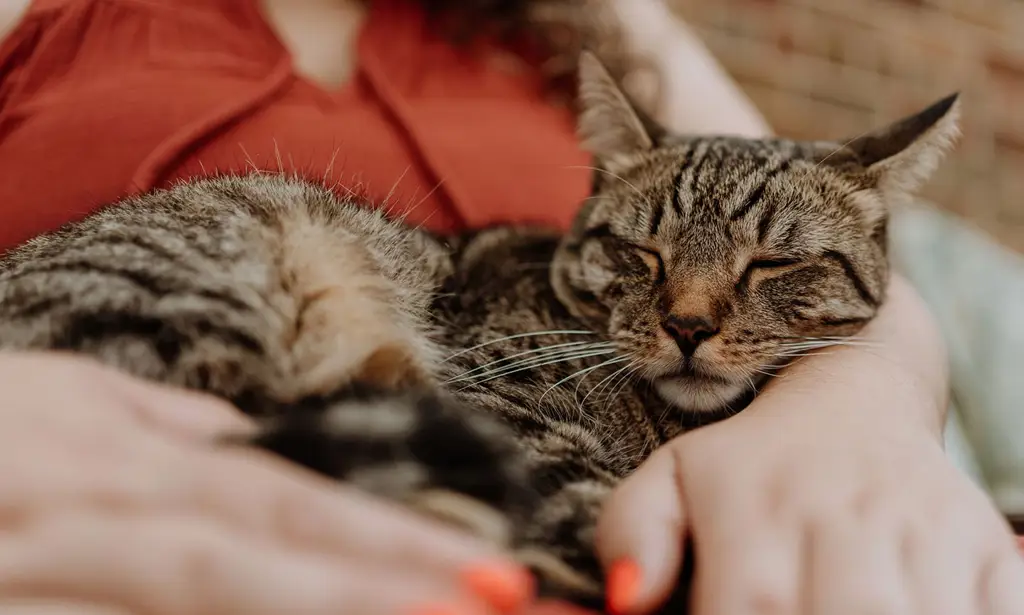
(563, 464)
(446, 460)
(564, 530)
(418, 448)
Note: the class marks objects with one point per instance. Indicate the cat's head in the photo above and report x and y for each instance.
(713, 260)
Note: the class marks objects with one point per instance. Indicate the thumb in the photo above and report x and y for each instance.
(640, 535)
(180, 413)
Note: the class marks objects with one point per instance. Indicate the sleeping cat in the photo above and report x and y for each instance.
(503, 380)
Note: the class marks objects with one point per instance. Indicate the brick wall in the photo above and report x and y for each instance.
(833, 68)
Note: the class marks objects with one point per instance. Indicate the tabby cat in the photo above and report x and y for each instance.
(504, 380)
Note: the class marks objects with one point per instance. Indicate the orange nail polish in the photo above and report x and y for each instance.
(623, 586)
(505, 587)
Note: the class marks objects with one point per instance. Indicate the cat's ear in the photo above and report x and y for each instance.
(611, 127)
(902, 156)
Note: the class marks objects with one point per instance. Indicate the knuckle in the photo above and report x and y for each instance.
(296, 517)
(197, 557)
(874, 603)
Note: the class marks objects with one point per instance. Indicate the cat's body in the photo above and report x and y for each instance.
(508, 379)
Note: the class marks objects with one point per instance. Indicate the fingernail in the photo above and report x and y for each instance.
(1020, 543)
(623, 586)
(506, 587)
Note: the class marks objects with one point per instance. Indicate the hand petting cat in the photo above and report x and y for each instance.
(829, 495)
(115, 475)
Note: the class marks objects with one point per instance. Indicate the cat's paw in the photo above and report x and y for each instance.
(422, 449)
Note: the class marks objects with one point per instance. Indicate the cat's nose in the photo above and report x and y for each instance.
(689, 332)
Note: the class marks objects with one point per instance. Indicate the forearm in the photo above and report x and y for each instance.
(897, 375)
(695, 95)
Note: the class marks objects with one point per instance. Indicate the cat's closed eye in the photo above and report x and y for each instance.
(651, 258)
(771, 263)
(767, 265)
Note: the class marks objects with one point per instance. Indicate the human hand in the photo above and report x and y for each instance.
(830, 495)
(113, 501)
(853, 521)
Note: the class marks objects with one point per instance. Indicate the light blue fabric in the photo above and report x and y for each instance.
(976, 289)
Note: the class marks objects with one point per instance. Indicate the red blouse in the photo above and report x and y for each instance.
(104, 98)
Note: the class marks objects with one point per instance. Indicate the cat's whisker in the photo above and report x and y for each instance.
(768, 374)
(825, 337)
(562, 359)
(803, 354)
(599, 384)
(832, 341)
(804, 348)
(811, 343)
(581, 405)
(581, 372)
(515, 337)
(563, 355)
(815, 346)
(620, 383)
(543, 351)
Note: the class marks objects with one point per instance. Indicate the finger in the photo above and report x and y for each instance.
(169, 410)
(179, 412)
(640, 535)
(854, 566)
(747, 571)
(941, 571)
(283, 502)
(191, 566)
(1003, 586)
(32, 606)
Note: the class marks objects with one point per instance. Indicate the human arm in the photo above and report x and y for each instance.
(693, 94)
(114, 498)
(830, 490)
(10, 12)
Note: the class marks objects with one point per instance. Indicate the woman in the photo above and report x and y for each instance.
(830, 494)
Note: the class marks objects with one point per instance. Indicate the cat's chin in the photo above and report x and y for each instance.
(700, 394)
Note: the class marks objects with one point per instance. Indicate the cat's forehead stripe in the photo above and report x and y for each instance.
(696, 162)
(755, 195)
(677, 187)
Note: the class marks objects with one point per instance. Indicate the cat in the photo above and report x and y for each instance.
(503, 380)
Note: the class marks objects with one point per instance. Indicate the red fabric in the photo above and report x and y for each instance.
(104, 98)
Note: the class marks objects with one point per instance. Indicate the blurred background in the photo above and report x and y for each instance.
(834, 68)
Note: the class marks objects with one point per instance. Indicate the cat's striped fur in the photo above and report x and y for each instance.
(507, 379)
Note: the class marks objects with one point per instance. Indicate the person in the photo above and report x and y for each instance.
(829, 494)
